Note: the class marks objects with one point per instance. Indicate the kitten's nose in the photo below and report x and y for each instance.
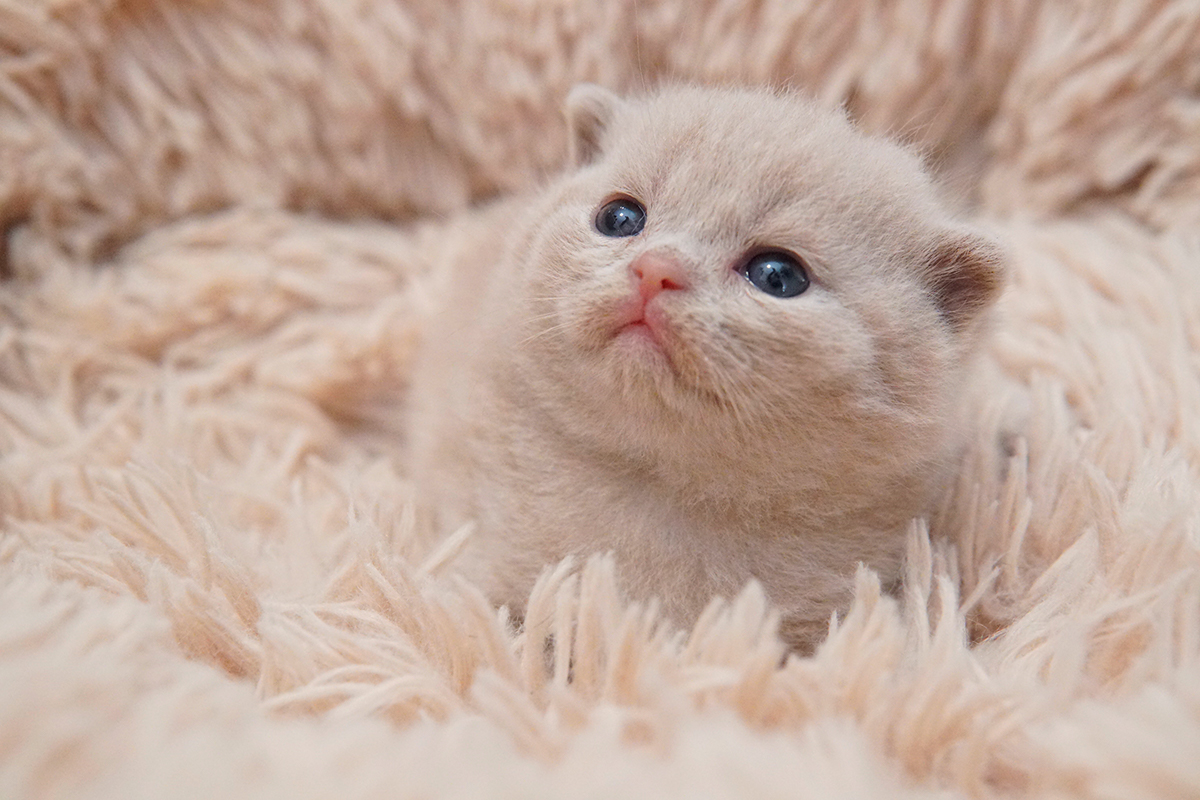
(655, 272)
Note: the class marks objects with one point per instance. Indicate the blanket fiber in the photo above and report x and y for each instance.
(216, 219)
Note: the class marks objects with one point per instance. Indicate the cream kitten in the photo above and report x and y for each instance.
(728, 344)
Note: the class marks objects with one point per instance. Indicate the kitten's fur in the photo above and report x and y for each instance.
(780, 439)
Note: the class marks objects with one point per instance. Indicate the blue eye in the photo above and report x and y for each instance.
(777, 273)
(621, 217)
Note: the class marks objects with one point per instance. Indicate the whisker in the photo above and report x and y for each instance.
(539, 317)
(539, 334)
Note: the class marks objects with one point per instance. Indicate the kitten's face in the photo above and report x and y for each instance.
(729, 268)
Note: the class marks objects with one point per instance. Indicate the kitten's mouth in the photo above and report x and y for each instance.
(643, 336)
(644, 322)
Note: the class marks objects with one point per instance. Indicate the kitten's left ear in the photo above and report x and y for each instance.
(590, 108)
(966, 271)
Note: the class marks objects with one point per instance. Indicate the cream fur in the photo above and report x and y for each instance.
(783, 440)
(220, 224)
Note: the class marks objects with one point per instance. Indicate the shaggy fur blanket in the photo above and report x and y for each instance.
(214, 220)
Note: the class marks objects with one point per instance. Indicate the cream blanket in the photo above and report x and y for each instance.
(215, 215)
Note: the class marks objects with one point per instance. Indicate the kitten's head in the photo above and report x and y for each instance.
(725, 270)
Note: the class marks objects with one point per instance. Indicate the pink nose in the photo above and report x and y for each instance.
(655, 273)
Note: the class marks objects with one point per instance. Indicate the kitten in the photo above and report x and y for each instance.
(729, 343)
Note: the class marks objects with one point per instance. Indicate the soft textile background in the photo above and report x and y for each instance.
(215, 220)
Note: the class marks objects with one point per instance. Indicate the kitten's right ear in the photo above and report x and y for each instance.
(590, 108)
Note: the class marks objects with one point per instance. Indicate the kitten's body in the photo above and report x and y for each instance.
(738, 435)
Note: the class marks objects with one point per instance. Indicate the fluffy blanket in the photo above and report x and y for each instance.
(215, 219)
